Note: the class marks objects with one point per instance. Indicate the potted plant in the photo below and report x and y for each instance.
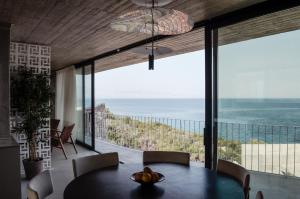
(30, 95)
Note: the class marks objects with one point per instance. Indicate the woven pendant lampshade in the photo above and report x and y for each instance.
(166, 22)
(154, 21)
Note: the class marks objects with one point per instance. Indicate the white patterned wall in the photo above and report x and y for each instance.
(37, 58)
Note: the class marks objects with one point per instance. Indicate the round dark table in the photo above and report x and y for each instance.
(181, 182)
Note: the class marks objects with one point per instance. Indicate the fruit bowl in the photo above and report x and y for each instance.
(147, 177)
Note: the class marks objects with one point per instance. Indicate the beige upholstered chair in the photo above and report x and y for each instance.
(40, 186)
(259, 195)
(237, 172)
(166, 157)
(90, 163)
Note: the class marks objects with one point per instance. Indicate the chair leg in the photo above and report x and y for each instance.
(62, 147)
(73, 144)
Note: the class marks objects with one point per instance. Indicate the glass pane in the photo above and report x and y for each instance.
(88, 104)
(161, 109)
(79, 106)
(259, 99)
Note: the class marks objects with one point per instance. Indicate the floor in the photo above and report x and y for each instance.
(273, 186)
(127, 155)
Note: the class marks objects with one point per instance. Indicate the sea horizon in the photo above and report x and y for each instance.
(244, 110)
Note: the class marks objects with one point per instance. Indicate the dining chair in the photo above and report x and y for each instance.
(259, 195)
(40, 186)
(60, 138)
(237, 172)
(54, 124)
(90, 163)
(166, 157)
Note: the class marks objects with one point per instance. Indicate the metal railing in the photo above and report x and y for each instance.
(257, 147)
(149, 133)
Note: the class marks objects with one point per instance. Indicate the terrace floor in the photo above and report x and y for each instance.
(127, 155)
(273, 186)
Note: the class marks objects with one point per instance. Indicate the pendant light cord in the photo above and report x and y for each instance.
(152, 27)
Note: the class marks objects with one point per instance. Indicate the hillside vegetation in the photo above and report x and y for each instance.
(136, 134)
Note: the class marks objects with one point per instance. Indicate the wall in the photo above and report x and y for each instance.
(9, 150)
(10, 179)
(4, 80)
(37, 58)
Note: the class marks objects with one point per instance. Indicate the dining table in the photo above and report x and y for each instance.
(181, 181)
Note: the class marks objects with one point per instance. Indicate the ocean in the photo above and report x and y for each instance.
(270, 112)
(184, 109)
(257, 111)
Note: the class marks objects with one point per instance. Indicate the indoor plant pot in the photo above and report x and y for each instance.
(32, 167)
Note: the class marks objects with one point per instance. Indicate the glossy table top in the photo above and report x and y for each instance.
(181, 182)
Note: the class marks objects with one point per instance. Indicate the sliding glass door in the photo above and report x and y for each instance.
(88, 104)
(251, 95)
(84, 108)
(79, 105)
(258, 93)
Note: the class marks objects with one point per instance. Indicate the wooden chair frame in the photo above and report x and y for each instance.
(58, 137)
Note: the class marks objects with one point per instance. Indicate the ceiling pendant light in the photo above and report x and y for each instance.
(153, 20)
(166, 22)
(157, 50)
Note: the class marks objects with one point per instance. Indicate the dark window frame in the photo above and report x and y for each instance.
(211, 64)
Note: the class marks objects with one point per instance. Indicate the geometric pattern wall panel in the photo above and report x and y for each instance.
(38, 59)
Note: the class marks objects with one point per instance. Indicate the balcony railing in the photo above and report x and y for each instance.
(263, 148)
(258, 147)
(149, 133)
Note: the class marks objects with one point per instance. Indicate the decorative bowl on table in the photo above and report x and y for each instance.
(147, 177)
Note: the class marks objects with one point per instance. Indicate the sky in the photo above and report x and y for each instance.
(180, 76)
(267, 67)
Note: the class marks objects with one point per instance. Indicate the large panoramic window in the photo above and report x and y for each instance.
(84, 105)
(259, 99)
(160, 109)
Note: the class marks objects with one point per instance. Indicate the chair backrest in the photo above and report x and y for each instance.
(66, 133)
(53, 126)
(166, 157)
(90, 163)
(54, 123)
(259, 195)
(237, 172)
(40, 186)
